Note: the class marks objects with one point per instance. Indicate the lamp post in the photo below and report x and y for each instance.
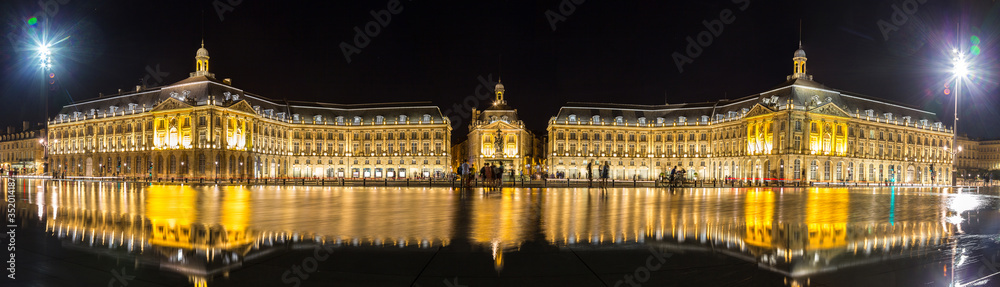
(45, 65)
(959, 68)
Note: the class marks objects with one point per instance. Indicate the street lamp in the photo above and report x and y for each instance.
(960, 68)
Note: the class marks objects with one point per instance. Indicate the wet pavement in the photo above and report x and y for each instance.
(115, 234)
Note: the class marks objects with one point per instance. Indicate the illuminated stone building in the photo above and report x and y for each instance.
(976, 157)
(497, 135)
(23, 151)
(204, 127)
(799, 130)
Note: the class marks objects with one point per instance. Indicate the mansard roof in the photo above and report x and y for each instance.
(801, 93)
(203, 90)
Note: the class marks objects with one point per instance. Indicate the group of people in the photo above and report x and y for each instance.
(675, 177)
(603, 174)
(491, 174)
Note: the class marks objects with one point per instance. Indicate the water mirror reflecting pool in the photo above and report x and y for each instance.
(120, 234)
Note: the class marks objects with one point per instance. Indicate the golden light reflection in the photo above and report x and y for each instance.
(826, 217)
(759, 214)
(763, 223)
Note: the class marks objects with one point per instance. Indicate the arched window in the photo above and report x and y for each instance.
(814, 170)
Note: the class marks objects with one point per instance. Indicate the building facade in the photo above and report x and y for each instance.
(23, 151)
(203, 127)
(799, 131)
(977, 159)
(498, 136)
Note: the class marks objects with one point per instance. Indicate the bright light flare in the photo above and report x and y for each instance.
(961, 68)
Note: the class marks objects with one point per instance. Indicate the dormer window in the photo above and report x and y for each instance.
(113, 109)
(733, 114)
(642, 120)
(427, 119)
(870, 113)
(402, 118)
(572, 118)
(704, 119)
(340, 120)
(907, 119)
(937, 125)
(923, 122)
(682, 119)
(357, 120)
(317, 118)
(619, 120)
(505, 119)
(295, 117)
(659, 120)
(744, 110)
(888, 116)
(595, 119)
(379, 120)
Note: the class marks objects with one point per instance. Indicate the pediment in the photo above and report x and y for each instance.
(757, 110)
(242, 106)
(496, 125)
(170, 104)
(831, 109)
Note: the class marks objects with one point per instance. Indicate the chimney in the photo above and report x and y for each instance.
(100, 95)
(26, 125)
(227, 81)
(119, 91)
(138, 88)
(10, 130)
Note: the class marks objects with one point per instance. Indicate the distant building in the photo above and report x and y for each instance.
(498, 136)
(23, 151)
(977, 158)
(203, 127)
(799, 130)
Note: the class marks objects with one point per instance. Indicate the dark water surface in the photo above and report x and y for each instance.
(117, 234)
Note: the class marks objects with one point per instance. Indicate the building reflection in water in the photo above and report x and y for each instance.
(206, 231)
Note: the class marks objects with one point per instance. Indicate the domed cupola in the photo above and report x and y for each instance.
(201, 62)
(799, 62)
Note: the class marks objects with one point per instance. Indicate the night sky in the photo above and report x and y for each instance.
(599, 51)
